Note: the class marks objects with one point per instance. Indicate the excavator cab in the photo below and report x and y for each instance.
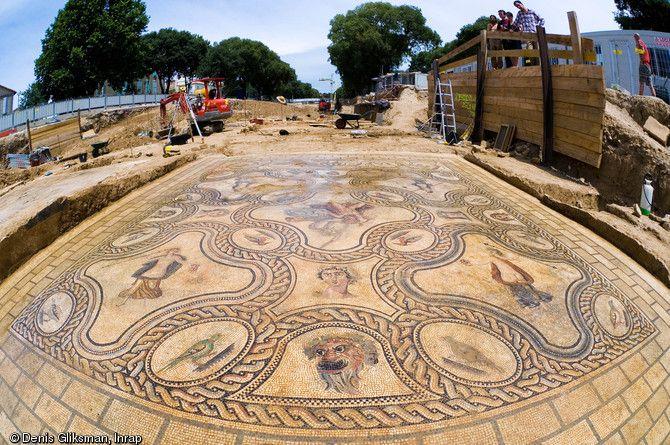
(215, 108)
(213, 87)
(208, 105)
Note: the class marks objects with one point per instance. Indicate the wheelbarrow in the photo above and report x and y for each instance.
(347, 119)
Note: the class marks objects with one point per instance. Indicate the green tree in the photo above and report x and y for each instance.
(376, 37)
(90, 42)
(643, 14)
(249, 67)
(296, 89)
(32, 96)
(171, 53)
(423, 61)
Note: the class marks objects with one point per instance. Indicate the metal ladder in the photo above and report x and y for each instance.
(444, 116)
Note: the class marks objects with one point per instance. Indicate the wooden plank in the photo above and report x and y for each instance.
(585, 134)
(554, 53)
(457, 63)
(587, 71)
(587, 44)
(522, 133)
(456, 51)
(561, 83)
(533, 113)
(580, 126)
(576, 39)
(472, 75)
(30, 137)
(581, 112)
(594, 100)
(532, 122)
(590, 143)
(547, 152)
(530, 37)
(478, 128)
(516, 72)
(470, 80)
(578, 153)
(534, 135)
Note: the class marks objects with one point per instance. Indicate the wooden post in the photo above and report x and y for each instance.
(577, 50)
(482, 62)
(79, 122)
(30, 136)
(547, 151)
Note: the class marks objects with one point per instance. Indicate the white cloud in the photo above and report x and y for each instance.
(295, 29)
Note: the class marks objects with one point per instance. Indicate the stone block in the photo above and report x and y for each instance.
(657, 130)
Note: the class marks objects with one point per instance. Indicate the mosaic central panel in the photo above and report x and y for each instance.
(329, 292)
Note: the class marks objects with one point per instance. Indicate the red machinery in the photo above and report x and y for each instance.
(210, 109)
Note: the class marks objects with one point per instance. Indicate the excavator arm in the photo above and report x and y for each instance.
(175, 97)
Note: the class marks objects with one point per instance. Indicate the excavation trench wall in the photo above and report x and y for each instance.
(63, 213)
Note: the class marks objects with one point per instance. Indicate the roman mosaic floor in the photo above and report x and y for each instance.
(335, 299)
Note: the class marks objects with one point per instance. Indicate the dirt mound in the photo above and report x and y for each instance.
(107, 118)
(629, 153)
(14, 143)
(640, 107)
(122, 128)
(411, 106)
(247, 109)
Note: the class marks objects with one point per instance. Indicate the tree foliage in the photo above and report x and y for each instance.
(31, 96)
(376, 37)
(171, 53)
(643, 14)
(423, 60)
(251, 69)
(296, 89)
(92, 41)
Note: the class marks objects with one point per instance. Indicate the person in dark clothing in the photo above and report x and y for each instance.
(512, 44)
(338, 105)
(495, 44)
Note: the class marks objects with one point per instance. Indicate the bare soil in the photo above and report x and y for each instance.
(410, 108)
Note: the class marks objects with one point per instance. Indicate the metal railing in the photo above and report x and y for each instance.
(67, 107)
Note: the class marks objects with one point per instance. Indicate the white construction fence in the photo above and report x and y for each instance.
(68, 107)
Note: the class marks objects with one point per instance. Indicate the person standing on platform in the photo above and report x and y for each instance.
(527, 20)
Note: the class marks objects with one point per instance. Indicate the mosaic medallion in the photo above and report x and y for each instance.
(322, 293)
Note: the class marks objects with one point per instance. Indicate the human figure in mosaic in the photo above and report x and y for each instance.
(338, 280)
(149, 276)
(340, 360)
(331, 218)
(518, 281)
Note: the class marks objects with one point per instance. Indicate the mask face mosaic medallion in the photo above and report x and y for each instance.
(326, 293)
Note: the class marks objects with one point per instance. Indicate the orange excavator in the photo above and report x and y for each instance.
(209, 110)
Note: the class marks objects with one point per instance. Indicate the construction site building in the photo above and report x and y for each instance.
(615, 51)
(6, 100)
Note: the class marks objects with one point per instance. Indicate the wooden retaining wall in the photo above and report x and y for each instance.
(558, 107)
(514, 96)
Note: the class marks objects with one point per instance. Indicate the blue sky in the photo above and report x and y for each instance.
(296, 29)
